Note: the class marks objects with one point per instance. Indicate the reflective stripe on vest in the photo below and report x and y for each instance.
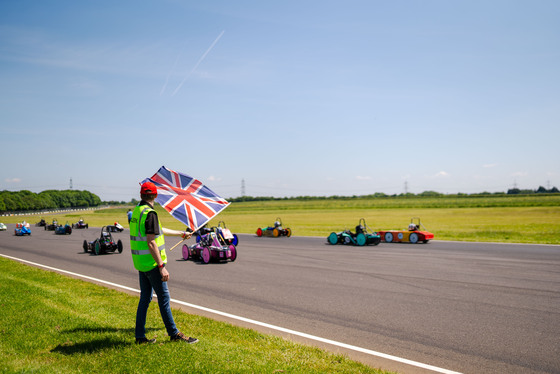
(141, 255)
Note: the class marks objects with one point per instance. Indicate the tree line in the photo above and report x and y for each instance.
(12, 201)
(512, 191)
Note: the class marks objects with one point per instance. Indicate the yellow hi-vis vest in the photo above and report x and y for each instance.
(141, 256)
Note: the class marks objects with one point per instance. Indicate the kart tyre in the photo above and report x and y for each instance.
(69, 230)
(85, 246)
(332, 238)
(388, 237)
(275, 233)
(235, 240)
(361, 239)
(96, 247)
(347, 239)
(259, 232)
(119, 246)
(425, 241)
(233, 251)
(205, 255)
(376, 241)
(186, 253)
(413, 238)
(288, 232)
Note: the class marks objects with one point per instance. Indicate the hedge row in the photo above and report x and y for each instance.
(11, 201)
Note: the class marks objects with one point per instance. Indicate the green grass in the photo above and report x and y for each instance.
(50, 323)
(502, 218)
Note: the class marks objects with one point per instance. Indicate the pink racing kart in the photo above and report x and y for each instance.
(212, 244)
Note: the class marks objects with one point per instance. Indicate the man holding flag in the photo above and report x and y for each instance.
(148, 255)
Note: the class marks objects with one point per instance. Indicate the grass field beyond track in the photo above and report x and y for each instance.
(503, 218)
(50, 323)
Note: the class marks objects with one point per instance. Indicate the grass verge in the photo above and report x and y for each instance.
(51, 323)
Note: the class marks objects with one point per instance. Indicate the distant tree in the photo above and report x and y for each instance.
(429, 193)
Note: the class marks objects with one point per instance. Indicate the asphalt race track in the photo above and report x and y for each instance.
(466, 307)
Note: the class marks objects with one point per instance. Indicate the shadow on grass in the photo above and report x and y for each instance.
(91, 346)
(95, 345)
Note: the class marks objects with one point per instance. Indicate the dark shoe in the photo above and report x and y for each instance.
(181, 337)
(144, 340)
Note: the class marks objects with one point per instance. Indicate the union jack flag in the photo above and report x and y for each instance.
(186, 198)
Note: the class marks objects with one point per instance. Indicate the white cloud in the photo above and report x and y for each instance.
(13, 180)
(489, 165)
(363, 178)
(442, 174)
(519, 174)
(214, 179)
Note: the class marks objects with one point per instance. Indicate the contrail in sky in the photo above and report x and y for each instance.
(168, 75)
(198, 63)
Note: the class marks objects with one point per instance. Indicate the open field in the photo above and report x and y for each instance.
(55, 324)
(513, 219)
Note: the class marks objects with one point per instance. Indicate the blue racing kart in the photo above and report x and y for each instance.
(22, 229)
(63, 229)
(361, 237)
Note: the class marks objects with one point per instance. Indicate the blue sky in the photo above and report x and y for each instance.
(293, 97)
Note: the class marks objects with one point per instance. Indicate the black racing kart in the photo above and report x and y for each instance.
(105, 244)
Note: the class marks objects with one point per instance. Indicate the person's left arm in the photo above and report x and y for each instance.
(182, 234)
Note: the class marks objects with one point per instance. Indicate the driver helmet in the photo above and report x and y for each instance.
(412, 227)
(277, 223)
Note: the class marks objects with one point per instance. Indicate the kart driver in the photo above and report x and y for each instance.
(148, 255)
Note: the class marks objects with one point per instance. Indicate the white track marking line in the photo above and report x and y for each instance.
(254, 322)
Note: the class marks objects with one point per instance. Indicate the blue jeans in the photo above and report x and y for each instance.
(151, 280)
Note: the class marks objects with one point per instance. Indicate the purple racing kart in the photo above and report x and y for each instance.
(212, 244)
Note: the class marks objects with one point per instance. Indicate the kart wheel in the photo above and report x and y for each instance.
(233, 251)
(69, 231)
(119, 246)
(347, 240)
(186, 253)
(413, 238)
(85, 246)
(425, 241)
(259, 232)
(376, 241)
(275, 233)
(288, 232)
(361, 239)
(388, 237)
(205, 255)
(332, 238)
(96, 247)
(235, 240)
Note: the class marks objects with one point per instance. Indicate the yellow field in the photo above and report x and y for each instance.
(540, 224)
